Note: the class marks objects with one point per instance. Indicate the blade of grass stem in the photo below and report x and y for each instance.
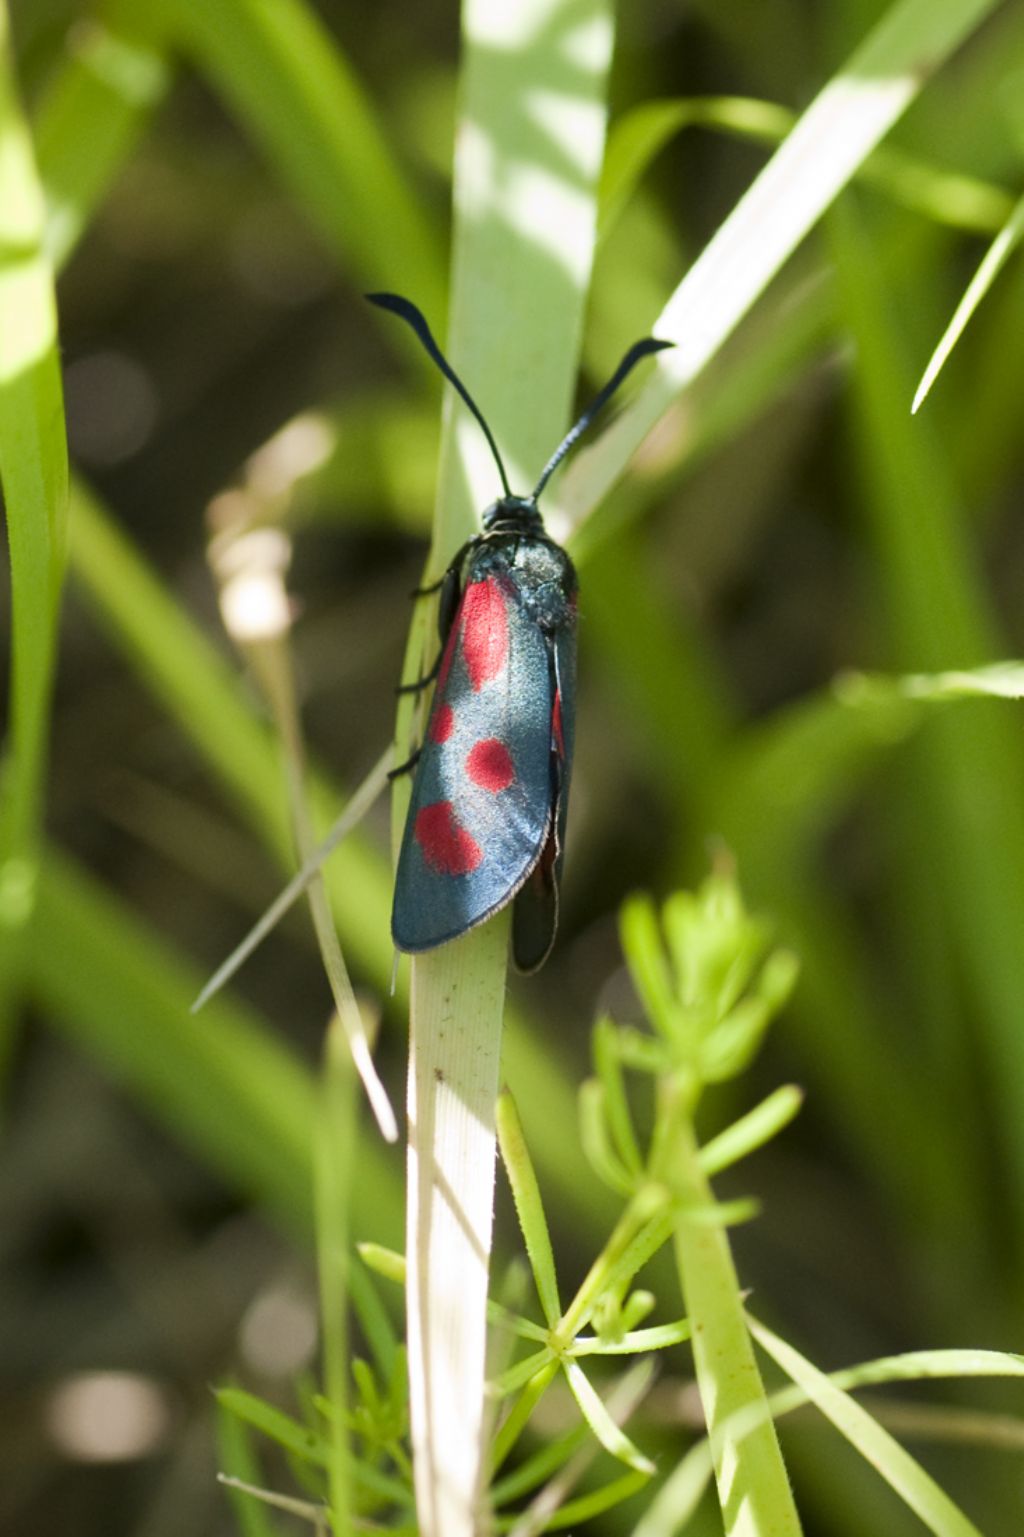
(270, 656)
(335, 1148)
(526, 171)
(360, 802)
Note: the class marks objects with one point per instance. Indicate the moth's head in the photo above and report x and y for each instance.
(513, 514)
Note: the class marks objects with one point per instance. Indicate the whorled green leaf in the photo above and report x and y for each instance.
(914, 1486)
(610, 1435)
(529, 1206)
(751, 1131)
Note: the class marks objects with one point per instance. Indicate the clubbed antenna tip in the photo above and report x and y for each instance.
(417, 320)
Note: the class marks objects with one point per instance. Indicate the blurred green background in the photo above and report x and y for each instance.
(224, 181)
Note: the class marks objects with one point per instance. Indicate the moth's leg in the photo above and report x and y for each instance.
(421, 683)
(406, 767)
(452, 571)
(425, 592)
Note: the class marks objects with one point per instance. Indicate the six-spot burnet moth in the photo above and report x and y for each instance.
(486, 823)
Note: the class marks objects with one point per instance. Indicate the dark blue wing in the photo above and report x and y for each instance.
(535, 918)
(481, 805)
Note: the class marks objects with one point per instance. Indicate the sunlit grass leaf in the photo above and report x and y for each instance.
(34, 476)
(639, 136)
(109, 84)
(995, 258)
(830, 141)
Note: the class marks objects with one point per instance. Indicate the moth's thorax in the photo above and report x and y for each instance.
(539, 570)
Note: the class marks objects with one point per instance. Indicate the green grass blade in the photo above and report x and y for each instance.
(238, 1463)
(223, 1082)
(938, 614)
(679, 1496)
(34, 476)
(202, 692)
(334, 1155)
(295, 92)
(638, 137)
(93, 114)
(995, 258)
(832, 139)
(277, 1426)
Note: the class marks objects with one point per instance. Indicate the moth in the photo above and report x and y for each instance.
(486, 823)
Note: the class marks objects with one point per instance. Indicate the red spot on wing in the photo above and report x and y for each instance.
(489, 765)
(447, 847)
(484, 631)
(556, 724)
(443, 723)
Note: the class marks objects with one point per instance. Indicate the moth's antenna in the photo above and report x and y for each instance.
(415, 318)
(638, 350)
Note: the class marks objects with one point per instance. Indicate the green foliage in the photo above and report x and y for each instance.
(793, 612)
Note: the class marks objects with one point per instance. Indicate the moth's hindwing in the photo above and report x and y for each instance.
(481, 802)
(535, 916)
